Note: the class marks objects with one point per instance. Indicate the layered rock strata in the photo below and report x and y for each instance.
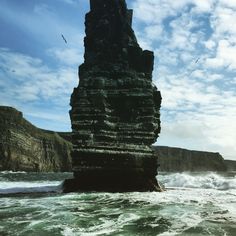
(115, 109)
(23, 147)
(16, 134)
(231, 165)
(178, 160)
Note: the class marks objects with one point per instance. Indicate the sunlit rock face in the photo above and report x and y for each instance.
(115, 109)
(24, 147)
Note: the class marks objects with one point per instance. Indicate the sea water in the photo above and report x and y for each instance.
(194, 204)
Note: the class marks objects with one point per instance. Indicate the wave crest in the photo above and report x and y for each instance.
(29, 187)
(206, 181)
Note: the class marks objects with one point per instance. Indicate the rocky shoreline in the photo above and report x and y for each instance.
(24, 147)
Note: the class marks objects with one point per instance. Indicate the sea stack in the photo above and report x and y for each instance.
(115, 113)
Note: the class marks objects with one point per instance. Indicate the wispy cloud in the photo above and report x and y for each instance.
(67, 56)
(71, 2)
(27, 82)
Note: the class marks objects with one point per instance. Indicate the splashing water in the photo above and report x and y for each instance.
(196, 204)
(206, 181)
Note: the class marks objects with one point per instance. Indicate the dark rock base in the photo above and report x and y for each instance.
(111, 181)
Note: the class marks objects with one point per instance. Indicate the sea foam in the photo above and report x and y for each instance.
(206, 181)
(30, 187)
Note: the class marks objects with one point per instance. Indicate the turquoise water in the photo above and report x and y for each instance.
(194, 204)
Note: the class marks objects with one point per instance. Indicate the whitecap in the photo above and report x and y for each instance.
(68, 232)
(12, 172)
(30, 187)
(206, 181)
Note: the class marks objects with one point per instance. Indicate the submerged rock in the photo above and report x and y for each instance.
(23, 147)
(115, 109)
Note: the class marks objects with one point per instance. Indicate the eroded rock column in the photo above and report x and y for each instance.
(115, 109)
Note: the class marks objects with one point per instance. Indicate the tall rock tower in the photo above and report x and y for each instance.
(115, 109)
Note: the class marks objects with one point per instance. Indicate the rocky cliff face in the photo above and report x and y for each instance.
(115, 109)
(231, 165)
(178, 160)
(25, 147)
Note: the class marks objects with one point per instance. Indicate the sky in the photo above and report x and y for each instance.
(194, 42)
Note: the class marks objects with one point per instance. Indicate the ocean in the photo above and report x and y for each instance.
(194, 204)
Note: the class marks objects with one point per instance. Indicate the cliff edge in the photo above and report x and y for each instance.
(24, 147)
(179, 160)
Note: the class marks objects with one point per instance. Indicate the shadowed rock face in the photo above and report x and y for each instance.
(179, 160)
(231, 165)
(115, 109)
(24, 147)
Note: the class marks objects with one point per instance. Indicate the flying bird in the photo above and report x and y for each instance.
(197, 61)
(64, 38)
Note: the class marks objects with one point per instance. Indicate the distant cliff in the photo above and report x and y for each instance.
(178, 159)
(25, 147)
(231, 165)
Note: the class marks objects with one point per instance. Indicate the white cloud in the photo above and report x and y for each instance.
(223, 21)
(203, 6)
(26, 82)
(225, 56)
(195, 70)
(71, 2)
(223, 40)
(68, 56)
(210, 44)
(37, 81)
(202, 115)
(155, 11)
(201, 132)
(154, 32)
(144, 43)
(227, 3)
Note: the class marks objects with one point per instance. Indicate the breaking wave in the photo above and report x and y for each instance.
(206, 181)
(186, 209)
(12, 172)
(23, 184)
(30, 187)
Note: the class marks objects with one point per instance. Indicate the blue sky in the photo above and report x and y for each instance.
(195, 64)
